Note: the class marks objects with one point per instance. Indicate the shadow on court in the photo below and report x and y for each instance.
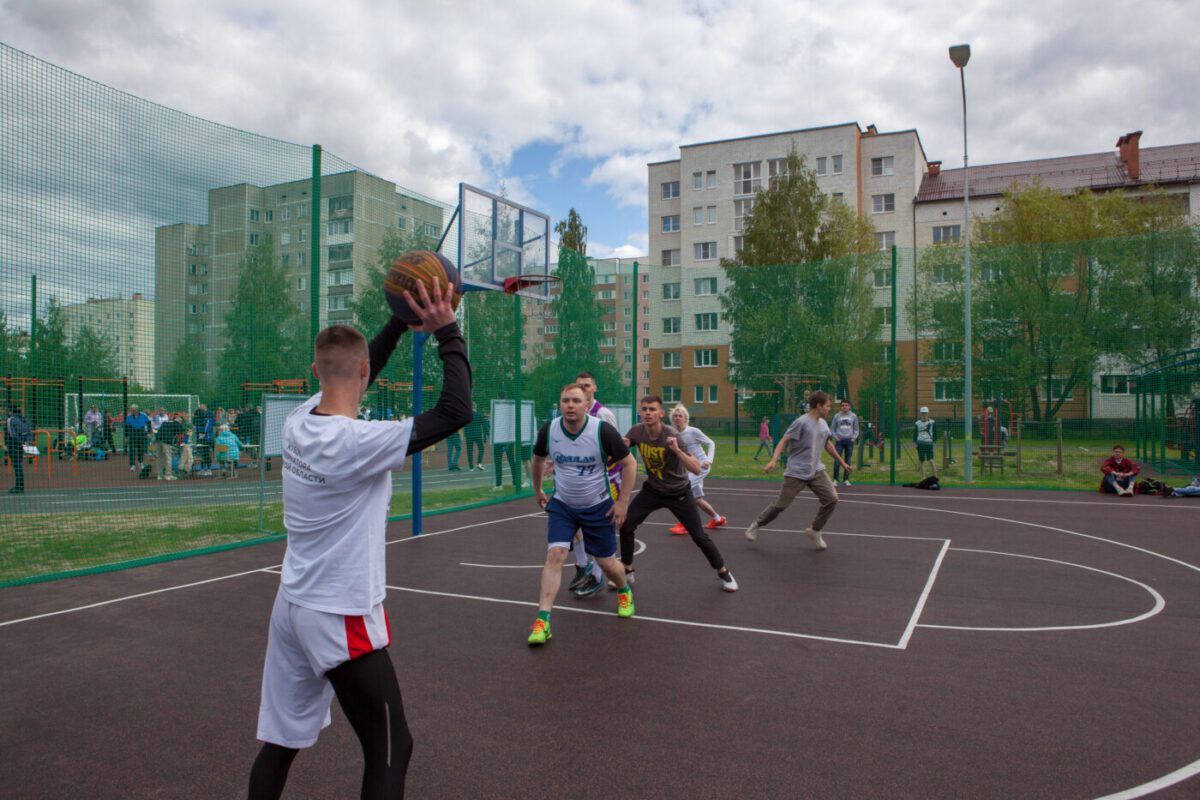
(952, 644)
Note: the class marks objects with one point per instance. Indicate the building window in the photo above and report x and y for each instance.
(341, 226)
(670, 291)
(341, 204)
(947, 390)
(402, 222)
(1056, 389)
(883, 315)
(705, 286)
(822, 168)
(670, 189)
(338, 302)
(738, 243)
(838, 197)
(287, 213)
(712, 394)
(429, 229)
(193, 289)
(341, 277)
(301, 283)
(747, 177)
(672, 324)
(671, 258)
(697, 216)
(884, 165)
(943, 274)
(302, 259)
(711, 177)
(671, 359)
(253, 239)
(885, 239)
(712, 215)
(706, 321)
(670, 394)
(947, 351)
(302, 234)
(285, 237)
(268, 215)
(994, 348)
(607, 294)
(1114, 384)
(341, 252)
(741, 210)
(670, 223)
(881, 203)
(776, 170)
(946, 233)
(698, 394)
(837, 165)
(697, 180)
(254, 215)
(883, 278)
(705, 251)
(706, 357)
(991, 273)
(551, 330)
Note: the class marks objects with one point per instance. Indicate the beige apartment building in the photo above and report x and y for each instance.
(197, 266)
(698, 206)
(127, 325)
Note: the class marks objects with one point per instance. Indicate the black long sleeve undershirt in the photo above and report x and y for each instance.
(453, 409)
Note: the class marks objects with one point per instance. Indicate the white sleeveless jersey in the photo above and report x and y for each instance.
(580, 479)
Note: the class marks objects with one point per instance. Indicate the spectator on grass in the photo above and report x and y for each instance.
(764, 438)
(205, 432)
(165, 440)
(137, 428)
(16, 435)
(1191, 490)
(845, 434)
(93, 425)
(924, 434)
(1120, 473)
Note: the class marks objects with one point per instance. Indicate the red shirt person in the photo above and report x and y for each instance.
(1119, 473)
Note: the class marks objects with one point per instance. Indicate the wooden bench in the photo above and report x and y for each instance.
(991, 456)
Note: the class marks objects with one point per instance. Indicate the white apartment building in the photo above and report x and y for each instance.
(698, 205)
(128, 327)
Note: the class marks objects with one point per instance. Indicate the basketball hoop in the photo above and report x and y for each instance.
(517, 283)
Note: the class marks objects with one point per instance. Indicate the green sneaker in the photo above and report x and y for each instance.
(539, 632)
(625, 604)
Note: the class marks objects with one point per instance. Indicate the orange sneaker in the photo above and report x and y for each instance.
(679, 529)
(719, 522)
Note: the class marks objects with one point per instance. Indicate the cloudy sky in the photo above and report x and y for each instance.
(562, 103)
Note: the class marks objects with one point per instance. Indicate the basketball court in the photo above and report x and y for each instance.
(948, 644)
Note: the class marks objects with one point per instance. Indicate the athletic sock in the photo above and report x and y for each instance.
(597, 573)
(581, 559)
(626, 589)
(544, 616)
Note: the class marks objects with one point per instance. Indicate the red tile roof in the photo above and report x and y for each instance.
(1178, 163)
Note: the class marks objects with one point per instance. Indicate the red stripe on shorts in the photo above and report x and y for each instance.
(358, 643)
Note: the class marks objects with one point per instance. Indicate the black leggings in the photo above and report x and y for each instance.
(369, 695)
(683, 506)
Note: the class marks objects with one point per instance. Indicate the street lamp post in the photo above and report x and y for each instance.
(960, 54)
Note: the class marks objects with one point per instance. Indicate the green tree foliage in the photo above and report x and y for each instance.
(185, 375)
(266, 336)
(11, 349)
(800, 293)
(48, 357)
(92, 355)
(1057, 283)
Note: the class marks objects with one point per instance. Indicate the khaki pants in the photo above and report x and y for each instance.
(819, 484)
(162, 459)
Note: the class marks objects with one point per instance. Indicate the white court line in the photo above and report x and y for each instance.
(849, 498)
(1159, 602)
(738, 628)
(132, 597)
(1178, 776)
(912, 621)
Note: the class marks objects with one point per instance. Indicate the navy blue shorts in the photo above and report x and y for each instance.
(599, 535)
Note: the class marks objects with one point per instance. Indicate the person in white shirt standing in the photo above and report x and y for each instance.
(806, 438)
(845, 434)
(328, 632)
(589, 577)
(703, 449)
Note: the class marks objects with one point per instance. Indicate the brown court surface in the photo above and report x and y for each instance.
(954, 644)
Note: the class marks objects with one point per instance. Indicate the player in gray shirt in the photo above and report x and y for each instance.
(805, 439)
(845, 434)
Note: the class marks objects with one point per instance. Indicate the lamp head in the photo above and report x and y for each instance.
(960, 54)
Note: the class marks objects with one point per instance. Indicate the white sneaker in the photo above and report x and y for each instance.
(728, 583)
(816, 537)
(133, 468)
(847, 483)
(752, 532)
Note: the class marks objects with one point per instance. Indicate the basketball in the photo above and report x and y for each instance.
(420, 266)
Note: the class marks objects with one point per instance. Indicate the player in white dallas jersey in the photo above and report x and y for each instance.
(695, 443)
(580, 446)
(328, 632)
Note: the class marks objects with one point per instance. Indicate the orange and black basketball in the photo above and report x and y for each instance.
(422, 266)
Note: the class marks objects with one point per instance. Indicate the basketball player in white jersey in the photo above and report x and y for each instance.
(589, 578)
(580, 446)
(329, 633)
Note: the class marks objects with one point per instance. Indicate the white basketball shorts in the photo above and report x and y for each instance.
(301, 647)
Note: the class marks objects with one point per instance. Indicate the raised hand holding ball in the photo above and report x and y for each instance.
(416, 268)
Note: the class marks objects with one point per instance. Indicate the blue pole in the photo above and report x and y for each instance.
(418, 353)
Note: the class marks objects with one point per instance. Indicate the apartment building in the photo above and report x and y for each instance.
(698, 205)
(198, 266)
(127, 324)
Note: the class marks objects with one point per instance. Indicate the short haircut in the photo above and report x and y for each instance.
(651, 398)
(339, 350)
(682, 409)
(817, 398)
(844, 400)
(576, 386)
(586, 374)
(1119, 447)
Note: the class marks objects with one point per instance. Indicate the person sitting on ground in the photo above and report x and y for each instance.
(1191, 490)
(1120, 473)
(228, 448)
